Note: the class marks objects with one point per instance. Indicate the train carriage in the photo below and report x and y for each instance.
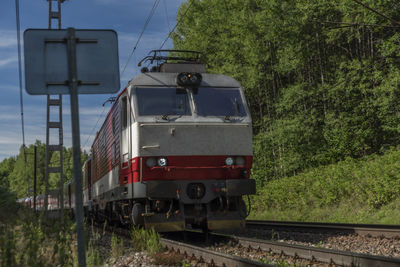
(175, 150)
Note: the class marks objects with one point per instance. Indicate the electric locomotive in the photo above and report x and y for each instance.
(175, 150)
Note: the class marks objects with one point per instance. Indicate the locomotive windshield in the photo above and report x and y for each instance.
(219, 102)
(162, 101)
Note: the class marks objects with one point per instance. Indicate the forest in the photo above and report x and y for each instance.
(321, 79)
(17, 173)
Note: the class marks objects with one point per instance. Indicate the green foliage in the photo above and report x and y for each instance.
(93, 258)
(7, 204)
(62, 248)
(28, 242)
(6, 167)
(351, 190)
(17, 173)
(318, 91)
(148, 240)
(8, 248)
(117, 246)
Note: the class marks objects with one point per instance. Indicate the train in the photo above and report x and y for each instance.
(174, 151)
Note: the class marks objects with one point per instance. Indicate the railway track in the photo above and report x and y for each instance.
(198, 252)
(313, 254)
(295, 254)
(208, 256)
(231, 250)
(376, 230)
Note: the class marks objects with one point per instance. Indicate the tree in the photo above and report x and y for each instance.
(321, 78)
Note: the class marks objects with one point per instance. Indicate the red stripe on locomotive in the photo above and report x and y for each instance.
(186, 168)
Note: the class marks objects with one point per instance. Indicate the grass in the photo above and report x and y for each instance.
(355, 191)
(117, 246)
(28, 240)
(32, 243)
(148, 240)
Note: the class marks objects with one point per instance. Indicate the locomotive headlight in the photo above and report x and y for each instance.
(151, 162)
(193, 78)
(240, 160)
(229, 161)
(189, 79)
(162, 162)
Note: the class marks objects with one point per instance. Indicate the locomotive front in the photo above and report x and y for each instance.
(188, 143)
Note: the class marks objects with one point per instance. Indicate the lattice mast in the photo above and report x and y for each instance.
(54, 16)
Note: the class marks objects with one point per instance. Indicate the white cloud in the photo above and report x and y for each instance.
(8, 38)
(10, 140)
(8, 48)
(7, 61)
(9, 87)
(9, 117)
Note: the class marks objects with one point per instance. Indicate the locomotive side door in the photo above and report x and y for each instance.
(125, 144)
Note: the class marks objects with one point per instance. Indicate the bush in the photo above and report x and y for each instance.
(148, 240)
(369, 184)
(27, 241)
(117, 246)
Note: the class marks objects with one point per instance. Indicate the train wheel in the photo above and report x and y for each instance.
(137, 211)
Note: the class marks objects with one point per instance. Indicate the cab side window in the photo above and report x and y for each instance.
(124, 113)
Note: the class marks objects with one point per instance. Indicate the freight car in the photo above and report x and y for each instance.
(174, 150)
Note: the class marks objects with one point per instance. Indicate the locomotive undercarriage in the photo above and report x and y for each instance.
(210, 204)
(174, 215)
(177, 205)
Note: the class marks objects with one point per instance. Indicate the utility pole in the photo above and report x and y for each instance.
(34, 177)
(54, 14)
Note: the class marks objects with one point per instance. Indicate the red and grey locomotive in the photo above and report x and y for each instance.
(174, 150)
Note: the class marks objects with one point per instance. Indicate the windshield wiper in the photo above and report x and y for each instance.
(227, 118)
(167, 117)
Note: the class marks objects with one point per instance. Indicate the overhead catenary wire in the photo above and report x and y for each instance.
(352, 24)
(151, 13)
(166, 15)
(176, 25)
(153, 9)
(20, 72)
(94, 127)
(376, 12)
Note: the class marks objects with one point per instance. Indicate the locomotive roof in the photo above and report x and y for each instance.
(169, 79)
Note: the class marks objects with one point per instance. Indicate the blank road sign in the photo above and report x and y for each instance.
(46, 61)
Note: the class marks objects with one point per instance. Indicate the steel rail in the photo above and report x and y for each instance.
(314, 254)
(343, 258)
(208, 256)
(376, 230)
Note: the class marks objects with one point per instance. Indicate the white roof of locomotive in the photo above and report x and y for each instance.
(169, 79)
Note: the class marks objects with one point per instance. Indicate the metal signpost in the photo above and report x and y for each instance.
(72, 62)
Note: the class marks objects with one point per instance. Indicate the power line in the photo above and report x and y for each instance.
(180, 20)
(352, 24)
(166, 15)
(153, 9)
(94, 127)
(20, 72)
(376, 12)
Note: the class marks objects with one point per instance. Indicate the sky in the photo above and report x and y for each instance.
(126, 17)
